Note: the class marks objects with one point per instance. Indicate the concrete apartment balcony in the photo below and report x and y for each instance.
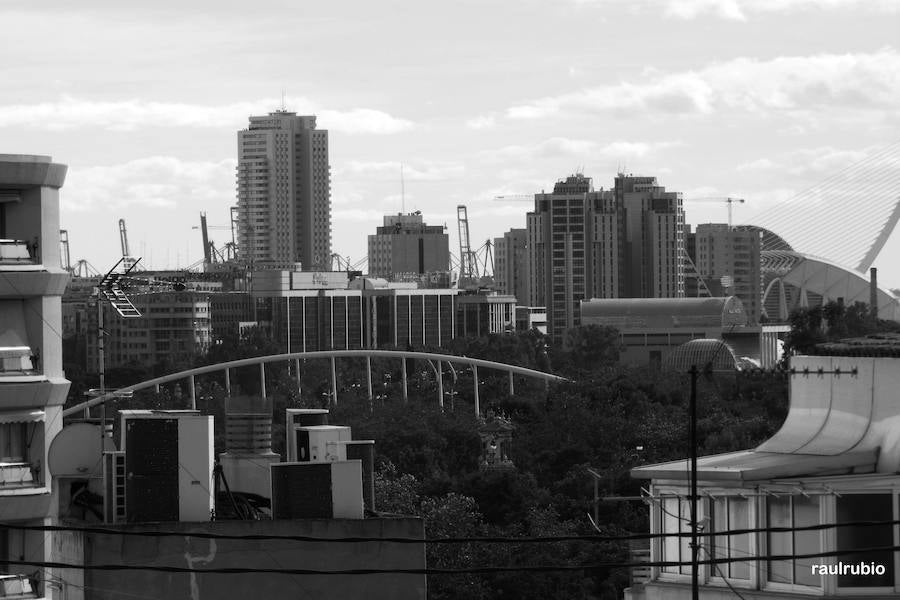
(23, 273)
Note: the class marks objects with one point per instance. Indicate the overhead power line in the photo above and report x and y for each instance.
(448, 540)
(440, 571)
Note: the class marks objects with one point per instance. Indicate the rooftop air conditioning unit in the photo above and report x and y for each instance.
(320, 443)
(168, 465)
(324, 490)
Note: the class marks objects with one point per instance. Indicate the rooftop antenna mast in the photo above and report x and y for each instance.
(283, 107)
(402, 191)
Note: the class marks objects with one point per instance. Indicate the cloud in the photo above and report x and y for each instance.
(127, 115)
(158, 181)
(794, 85)
(482, 122)
(742, 10)
(364, 215)
(689, 9)
(419, 170)
(825, 161)
(564, 147)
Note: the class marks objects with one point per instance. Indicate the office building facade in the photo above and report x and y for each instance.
(511, 264)
(405, 246)
(174, 326)
(728, 261)
(284, 192)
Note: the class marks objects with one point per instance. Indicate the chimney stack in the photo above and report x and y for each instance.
(873, 293)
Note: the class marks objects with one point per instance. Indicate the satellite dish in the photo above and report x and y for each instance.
(76, 451)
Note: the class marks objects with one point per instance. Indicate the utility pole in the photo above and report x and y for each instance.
(695, 548)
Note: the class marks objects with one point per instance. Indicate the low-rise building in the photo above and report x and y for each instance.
(834, 461)
(651, 328)
(173, 325)
(480, 314)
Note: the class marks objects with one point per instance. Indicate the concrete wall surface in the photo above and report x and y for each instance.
(183, 551)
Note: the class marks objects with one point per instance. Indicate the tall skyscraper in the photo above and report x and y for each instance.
(405, 245)
(572, 241)
(626, 242)
(652, 256)
(284, 192)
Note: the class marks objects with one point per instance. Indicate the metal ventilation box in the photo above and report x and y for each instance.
(168, 465)
(325, 490)
(320, 443)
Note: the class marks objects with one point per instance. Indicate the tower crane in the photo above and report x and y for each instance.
(727, 199)
(211, 254)
(128, 262)
(514, 198)
(467, 264)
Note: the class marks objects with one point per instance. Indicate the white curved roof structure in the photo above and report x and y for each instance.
(848, 217)
(812, 275)
(845, 420)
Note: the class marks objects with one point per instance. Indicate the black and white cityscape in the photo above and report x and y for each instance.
(588, 300)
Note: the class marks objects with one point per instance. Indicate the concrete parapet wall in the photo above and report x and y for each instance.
(177, 551)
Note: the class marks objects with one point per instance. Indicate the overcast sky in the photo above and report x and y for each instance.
(759, 99)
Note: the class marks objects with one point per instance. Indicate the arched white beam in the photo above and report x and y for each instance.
(330, 354)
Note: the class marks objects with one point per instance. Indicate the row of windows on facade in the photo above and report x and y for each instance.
(726, 513)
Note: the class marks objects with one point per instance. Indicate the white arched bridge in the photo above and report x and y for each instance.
(434, 360)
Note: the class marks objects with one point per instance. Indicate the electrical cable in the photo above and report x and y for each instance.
(443, 571)
(722, 575)
(450, 540)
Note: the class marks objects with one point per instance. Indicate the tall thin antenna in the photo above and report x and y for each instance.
(283, 107)
(402, 191)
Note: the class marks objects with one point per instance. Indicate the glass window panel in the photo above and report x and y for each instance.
(719, 520)
(778, 512)
(739, 518)
(865, 507)
(670, 544)
(806, 513)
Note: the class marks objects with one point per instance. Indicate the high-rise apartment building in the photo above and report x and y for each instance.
(572, 241)
(626, 242)
(728, 260)
(511, 264)
(33, 387)
(284, 192)
(406, 246)
(652, 245)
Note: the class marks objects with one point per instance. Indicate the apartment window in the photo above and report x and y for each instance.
(675, 518)
(865, 507)
(793, 511)
(13, 437)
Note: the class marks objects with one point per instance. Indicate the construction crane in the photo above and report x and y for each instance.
(484, 259)
(128, 262)
(64, 258)
(342, 263)
(211, 254)
(514, 198)
(207, 254)
(727, 199)
(83, 268)
(467, 263)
